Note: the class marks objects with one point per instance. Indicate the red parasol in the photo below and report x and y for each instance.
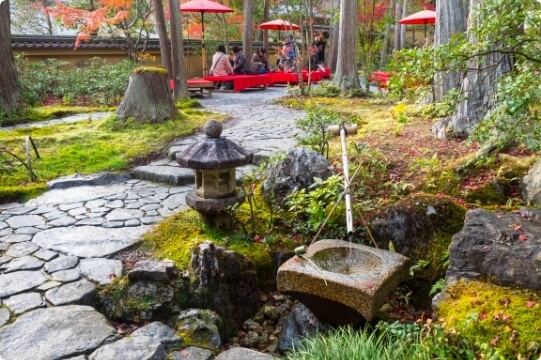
(204, 6)
(419, 18)
(279, 24)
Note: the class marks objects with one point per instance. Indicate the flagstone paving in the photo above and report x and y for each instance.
(57, 248)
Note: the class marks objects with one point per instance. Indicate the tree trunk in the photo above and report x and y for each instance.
(265, 19)
(398, 27)
(9, 84)
(403, 27)
(180, 87)
(165, 52)
(452, 16)
(385, 49)
(478, 87)
(248, 31)
(335, 34)
(346, 67)
(147, 98)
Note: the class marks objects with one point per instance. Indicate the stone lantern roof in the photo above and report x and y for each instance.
(214, 152)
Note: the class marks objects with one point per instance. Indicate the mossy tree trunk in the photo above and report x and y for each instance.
(346, 66)
(147, 97)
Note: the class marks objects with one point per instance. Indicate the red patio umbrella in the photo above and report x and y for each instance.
(279, 24)
(419, 18)
(204, 6)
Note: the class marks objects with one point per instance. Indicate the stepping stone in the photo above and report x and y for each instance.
(15, 238)
(56, 333)
(27, 262)
(101, 271)
(21, 249)
(161, 333)
(79, 292)
(137, 348)
(62, 263)
(166, 174)
(45, 255)
(4, 316)
(17, 282)
(22, 303)
(124, 214)
(25, 220)
(66, 276)
(89, 241)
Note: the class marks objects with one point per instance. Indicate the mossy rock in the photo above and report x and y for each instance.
(420, 227)
(142, 300)
(150, 70)
(487, 314)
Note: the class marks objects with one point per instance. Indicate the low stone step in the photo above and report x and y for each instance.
(173, 175)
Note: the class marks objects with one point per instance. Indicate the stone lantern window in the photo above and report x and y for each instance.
(214, 160)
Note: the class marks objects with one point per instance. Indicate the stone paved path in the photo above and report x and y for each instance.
(55, 249)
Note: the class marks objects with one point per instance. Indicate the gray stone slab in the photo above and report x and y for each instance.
(176, 201)
(9, 206)
(19, 210)
(95, 203)
(115, 204)
(90, 222)
(124, 214)
(117, 196)
(44, 254)
(161, 333)
(138, 348)
(55, 333)
(149, 220)
(150, 207)
(17, 282)
(166, 174)
(113, 224)
(4, 316)
(3, 225)
(25, 220)
(5, 259)
(70, 206)
(4, 246)
(21, 249)
(80, 292)
(6, 231)
(66, 276)
(101, 271)
(62, 263)
(78, 211)
(239, 353)
(63, 221)
(27, 262)
(27, 230)
(132, 222)
(192, 353)
(15, 238)
(54, 215)
(77, 180)
(76, 194)
(89, 241)
(48, 285)
(40, 210)
(152, 213)
(22, 303)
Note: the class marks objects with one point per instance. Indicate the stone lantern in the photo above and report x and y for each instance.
(214, 160)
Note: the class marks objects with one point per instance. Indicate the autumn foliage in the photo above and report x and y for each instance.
(110, 12)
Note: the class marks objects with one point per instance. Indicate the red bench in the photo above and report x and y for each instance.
(243, 82)
(280, 77)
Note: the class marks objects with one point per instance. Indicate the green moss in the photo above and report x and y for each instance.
(446, 219)
(489, 314)
(150, 69)
(85, 147)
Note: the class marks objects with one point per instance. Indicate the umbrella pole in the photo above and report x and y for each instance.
(203, 50)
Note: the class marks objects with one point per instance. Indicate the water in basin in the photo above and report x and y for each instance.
(346, 260)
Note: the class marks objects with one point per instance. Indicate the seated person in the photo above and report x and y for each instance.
(221, 67)
(287, 60)
(240, 65)
(261, 59)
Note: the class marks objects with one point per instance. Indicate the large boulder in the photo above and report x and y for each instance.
(151, 291)
(295, 172)
(500, 247)
(420, 227)
(531, 184)
(225, 282)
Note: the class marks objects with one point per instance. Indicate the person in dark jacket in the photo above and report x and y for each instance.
(240, 64)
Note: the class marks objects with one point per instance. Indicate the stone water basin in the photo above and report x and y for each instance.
(342, 283)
